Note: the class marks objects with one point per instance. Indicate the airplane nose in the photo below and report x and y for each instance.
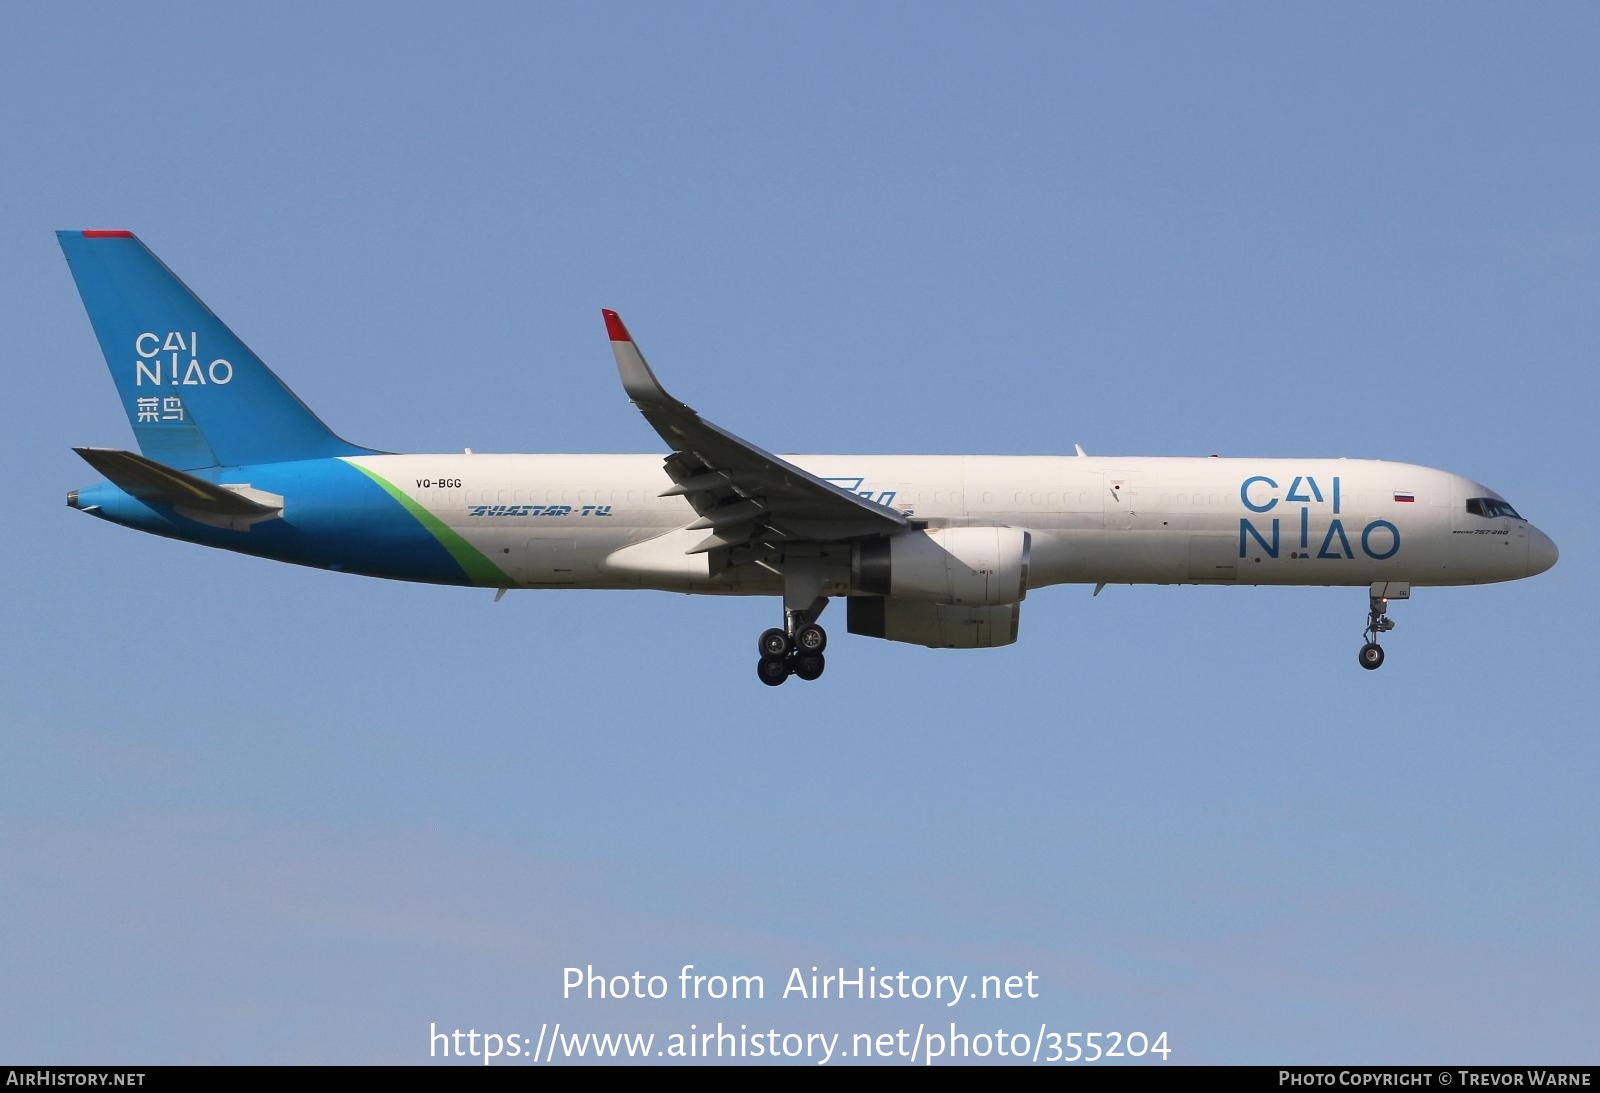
(1542, 552)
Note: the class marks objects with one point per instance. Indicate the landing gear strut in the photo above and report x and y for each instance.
(1378, 620)
(794, 650)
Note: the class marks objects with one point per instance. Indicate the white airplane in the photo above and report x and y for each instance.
(936, 550)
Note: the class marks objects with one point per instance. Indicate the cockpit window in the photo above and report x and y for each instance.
(1491, 507)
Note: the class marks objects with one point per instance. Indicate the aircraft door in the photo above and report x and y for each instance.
(549, 561)
(1122, 500)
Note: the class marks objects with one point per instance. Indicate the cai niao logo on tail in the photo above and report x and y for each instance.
(174, 359)
(159, 361)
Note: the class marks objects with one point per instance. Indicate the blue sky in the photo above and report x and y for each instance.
(250, 812)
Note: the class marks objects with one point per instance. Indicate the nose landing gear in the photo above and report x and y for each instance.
(1378, 621)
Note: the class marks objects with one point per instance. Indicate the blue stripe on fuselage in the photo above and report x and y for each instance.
(334, 517)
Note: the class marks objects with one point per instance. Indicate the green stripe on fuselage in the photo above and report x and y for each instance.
(479, 569)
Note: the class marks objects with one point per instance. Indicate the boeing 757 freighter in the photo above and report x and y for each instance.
(935, 550)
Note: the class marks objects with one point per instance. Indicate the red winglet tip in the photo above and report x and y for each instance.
(107, 233)
(614, 327)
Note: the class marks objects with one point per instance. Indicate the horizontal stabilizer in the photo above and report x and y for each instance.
(157, 484)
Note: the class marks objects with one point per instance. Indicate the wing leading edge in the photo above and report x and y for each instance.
(744, 495)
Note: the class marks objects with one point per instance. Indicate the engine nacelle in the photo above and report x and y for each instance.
(961, 566)
(936, 625)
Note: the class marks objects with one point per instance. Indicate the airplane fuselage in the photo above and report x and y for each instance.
(598, 521)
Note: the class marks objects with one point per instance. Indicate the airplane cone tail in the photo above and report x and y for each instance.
(195, 394)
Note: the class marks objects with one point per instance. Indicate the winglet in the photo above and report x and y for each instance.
(637, 379)
(614, 327)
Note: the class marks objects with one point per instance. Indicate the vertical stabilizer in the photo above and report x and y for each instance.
(195, 394)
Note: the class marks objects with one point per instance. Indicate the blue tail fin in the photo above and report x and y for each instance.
(195, 394)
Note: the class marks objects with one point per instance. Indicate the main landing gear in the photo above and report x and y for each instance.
(1378, 621)
(794, 650)
(797, 648)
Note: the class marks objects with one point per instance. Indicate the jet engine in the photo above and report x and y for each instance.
(936, 625)
(963, 567)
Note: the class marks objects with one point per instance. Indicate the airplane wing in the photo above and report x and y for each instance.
(743, 494)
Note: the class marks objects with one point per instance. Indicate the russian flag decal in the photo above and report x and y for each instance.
(1402, 495)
